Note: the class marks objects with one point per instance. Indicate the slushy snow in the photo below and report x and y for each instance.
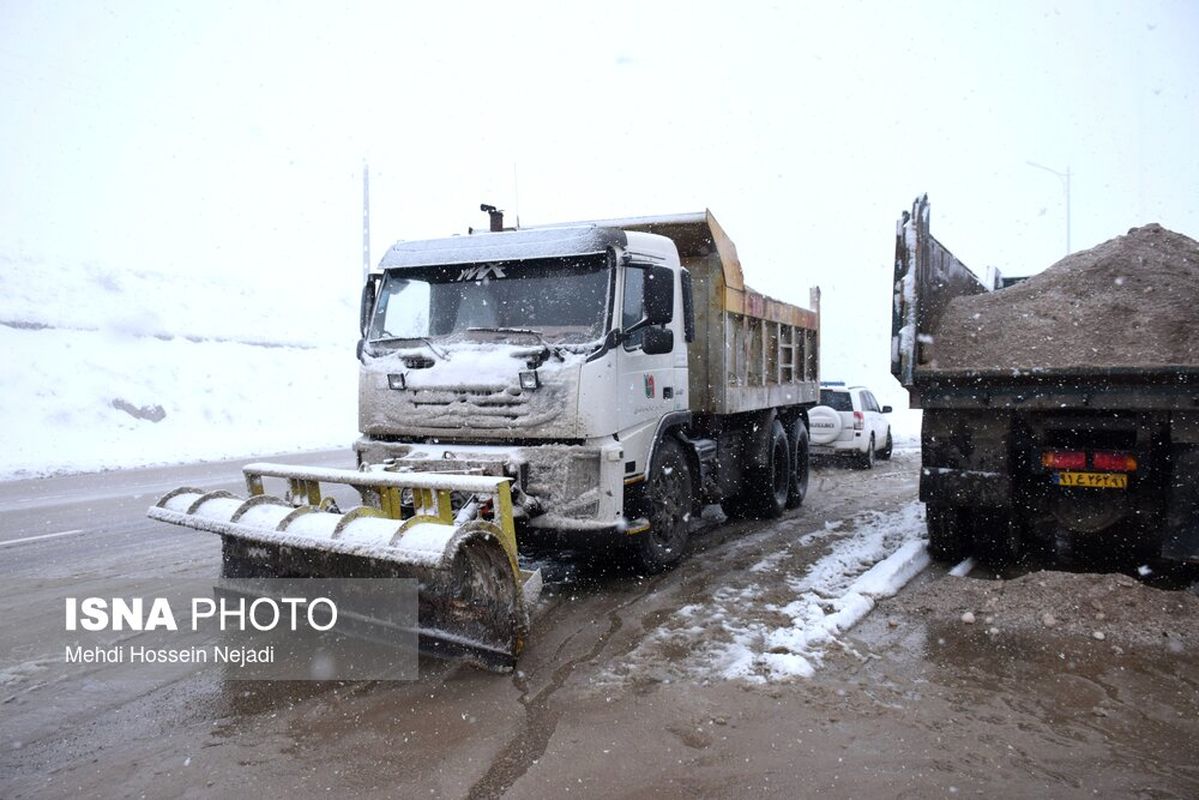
(777, 624)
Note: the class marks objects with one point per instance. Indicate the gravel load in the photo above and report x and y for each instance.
(1112, 609)
(1132, 301)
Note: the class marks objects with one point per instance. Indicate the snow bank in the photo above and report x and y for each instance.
(107, 368)
(75, 401)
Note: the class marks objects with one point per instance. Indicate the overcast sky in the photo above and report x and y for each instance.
(231, 137)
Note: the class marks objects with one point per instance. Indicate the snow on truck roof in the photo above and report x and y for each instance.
(697, 236)
(558, 242)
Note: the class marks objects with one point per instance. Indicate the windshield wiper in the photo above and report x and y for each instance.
(389, 337)
(552, 348)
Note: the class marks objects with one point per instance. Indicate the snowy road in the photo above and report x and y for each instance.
(96, 522)
(728, 676)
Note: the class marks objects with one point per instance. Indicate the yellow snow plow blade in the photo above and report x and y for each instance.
(474, 599)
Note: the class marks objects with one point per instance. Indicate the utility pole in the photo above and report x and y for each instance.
(1065, 178)
(366, 221)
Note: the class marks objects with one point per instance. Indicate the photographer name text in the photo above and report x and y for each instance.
(139, 654)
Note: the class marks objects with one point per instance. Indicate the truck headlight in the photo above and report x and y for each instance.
(529, 379)
(396, 381)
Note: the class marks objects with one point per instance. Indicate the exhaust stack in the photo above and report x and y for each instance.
(496, 215)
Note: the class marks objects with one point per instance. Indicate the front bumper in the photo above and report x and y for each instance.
(557, 487)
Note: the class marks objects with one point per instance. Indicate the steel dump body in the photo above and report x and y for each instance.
(991, 437)
(751, 352)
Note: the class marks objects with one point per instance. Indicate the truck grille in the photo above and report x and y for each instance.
(496, 402)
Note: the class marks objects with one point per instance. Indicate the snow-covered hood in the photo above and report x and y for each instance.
(470, 390)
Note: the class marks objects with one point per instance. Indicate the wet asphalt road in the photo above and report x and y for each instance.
(904, 721)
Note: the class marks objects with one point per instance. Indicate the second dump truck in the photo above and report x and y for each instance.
(592, 382)
(1061, 412)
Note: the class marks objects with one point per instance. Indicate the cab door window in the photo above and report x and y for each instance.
(633, 308)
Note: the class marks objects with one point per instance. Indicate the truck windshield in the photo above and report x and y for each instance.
(565, 301)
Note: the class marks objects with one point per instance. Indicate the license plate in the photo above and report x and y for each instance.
(1092, 480)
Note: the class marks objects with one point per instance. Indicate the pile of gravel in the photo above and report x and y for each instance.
(1104, 610)
(1132, 301)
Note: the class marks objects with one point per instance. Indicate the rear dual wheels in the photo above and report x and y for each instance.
(946, 538)
(769, 489)
(992, 535)
(798, 488)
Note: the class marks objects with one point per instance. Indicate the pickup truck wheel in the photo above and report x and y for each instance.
(798, 489)
(885, 453)
(945, 538)
(670, 502)
(764, 489)
(866, 460)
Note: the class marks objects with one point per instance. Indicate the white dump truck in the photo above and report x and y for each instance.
(596, 382)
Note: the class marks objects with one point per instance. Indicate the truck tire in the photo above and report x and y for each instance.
(669, 493)
(945, 533)
(799, 464)
(866, 460)
(765, 489)
(885, 453)
(996, 536)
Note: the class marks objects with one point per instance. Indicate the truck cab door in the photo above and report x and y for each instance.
(648, 380)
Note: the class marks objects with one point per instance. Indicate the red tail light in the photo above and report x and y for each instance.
(859, 420)
(1058, 459)
(1114, 462)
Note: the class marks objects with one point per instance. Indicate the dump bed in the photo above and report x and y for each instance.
(751, 351)
(928, 277)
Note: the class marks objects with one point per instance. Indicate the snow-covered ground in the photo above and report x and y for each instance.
(776, 621)
(106, 368)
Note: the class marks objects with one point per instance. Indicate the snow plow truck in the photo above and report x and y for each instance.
(593, 384)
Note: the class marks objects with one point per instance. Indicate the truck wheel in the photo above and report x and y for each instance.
(765, 489)
(944, 533)
(885, 453)
(670, 502)
(996, 536)
(799, 464)
(866, 460)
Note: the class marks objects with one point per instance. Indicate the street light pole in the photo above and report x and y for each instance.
(1065, 178)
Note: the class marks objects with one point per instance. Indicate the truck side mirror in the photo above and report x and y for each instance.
(657, 341)
(658, 296)
(370, 291)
